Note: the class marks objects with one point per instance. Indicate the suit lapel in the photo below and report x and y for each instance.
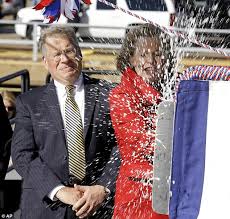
(91, 94)
(51, 100)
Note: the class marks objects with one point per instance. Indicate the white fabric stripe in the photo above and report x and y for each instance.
(73, 143)
(79, 166)
(216, 191)
(76, 154)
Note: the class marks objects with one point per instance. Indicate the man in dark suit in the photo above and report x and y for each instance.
(47, 150)
(5, 139)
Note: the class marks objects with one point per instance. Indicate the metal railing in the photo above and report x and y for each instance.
(89, 72)
(25, 86)
(34, 41)
(25, 79)
(102, 45)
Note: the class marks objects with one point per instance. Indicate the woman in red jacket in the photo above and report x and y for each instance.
(133, 103)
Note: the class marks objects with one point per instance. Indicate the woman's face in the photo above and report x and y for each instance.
(147, 59)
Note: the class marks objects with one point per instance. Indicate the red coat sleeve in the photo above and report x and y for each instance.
(130, 123)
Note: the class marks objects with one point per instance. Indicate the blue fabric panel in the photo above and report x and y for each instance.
(189, 143)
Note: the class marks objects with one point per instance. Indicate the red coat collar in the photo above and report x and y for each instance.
(147, 94)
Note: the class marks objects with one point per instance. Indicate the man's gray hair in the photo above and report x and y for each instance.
(57, 31)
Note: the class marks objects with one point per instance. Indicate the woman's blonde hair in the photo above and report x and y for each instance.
(8, 96)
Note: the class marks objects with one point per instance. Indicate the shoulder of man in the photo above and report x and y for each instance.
(34, 94)
(101, 84)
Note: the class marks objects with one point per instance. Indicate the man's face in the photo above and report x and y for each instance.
(62, 59)
(147, 59)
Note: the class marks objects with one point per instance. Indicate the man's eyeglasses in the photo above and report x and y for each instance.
(70, 53)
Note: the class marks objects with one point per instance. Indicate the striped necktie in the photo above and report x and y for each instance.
(74, 135)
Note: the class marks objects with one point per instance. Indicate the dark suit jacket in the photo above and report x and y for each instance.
(5, 140)
(39, 148)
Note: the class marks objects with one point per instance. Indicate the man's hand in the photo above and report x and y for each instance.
(69, 195)
(92, 198)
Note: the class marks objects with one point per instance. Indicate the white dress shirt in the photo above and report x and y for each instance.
(79, 96)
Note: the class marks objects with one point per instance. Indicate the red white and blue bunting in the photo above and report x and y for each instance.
(52, 9)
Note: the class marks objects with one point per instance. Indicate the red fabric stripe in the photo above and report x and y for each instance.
(42, 4)
(88, 2)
